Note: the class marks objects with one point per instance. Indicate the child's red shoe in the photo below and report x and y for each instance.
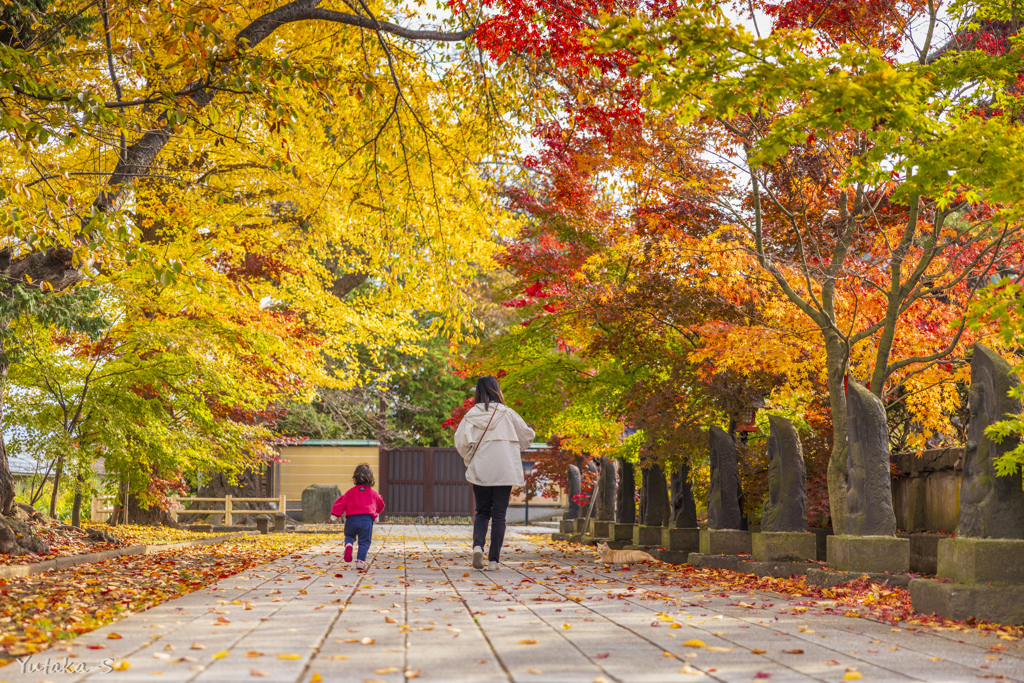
(348, 552)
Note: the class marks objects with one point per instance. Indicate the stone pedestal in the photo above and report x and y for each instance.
(724, 542)
(620, 532)
(646, 535)
(869, 554)
(988, 581)
(1001, 604)
(687, 540)
(280, 520)
(783, 546)
(567, 526)
(263, 524)
(578, 526)
(599, 528)
(997, 561)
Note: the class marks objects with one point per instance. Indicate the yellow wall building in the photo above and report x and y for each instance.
(326, 462)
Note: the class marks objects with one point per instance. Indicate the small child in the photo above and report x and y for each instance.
(360, 505)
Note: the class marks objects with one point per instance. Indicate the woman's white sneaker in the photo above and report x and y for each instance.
(478, 557)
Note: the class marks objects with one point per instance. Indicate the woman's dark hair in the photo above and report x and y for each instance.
(487, 391)
(363, 476)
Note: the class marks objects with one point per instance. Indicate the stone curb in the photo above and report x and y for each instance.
(15, 571)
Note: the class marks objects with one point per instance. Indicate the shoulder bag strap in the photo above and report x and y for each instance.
(493, 413)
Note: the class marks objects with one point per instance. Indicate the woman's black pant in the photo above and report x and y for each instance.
(491, 506)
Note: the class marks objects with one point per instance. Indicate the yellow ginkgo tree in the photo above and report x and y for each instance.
(328, 165)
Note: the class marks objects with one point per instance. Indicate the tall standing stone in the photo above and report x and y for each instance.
(868, 540)
(684, 507)
(658, 509)
(991, 506)
(625, 504)
(607, 481)
(868, 482)
(786, 506)
(574, 490)
(723, 493)
(981, 570)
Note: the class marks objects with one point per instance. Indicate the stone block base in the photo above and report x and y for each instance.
(567, 526)
(869, 554)
(579, 526)
(1001, 604)
(560, 537)
(776, 570)
(715, 561)
(599, 528)
(924, 551)
(647, 535)
(982, 560)
(724, 542)
(826, 579)
(672, 556)
(685, 540)
(783, 546)
(620, 532)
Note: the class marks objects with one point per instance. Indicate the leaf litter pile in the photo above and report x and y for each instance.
(39, 609)
(64, 541)
(858, 598)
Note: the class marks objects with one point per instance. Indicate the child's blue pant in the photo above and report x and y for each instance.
(360, 526)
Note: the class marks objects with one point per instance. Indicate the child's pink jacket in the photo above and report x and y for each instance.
(358, 500)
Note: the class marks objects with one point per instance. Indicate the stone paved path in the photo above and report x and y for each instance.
(547, 617)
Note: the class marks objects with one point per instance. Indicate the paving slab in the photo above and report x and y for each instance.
(550, 615)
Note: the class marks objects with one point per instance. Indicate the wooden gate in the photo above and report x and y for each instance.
(424, 481)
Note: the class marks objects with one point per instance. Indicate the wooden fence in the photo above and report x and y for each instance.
(102, 507)
(424, 482)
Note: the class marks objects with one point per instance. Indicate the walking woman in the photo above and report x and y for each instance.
(490, 439)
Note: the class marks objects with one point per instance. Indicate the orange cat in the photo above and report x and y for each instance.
(609, 556)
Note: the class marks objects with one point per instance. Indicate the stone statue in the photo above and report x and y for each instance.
(625, 503)
(786, 506)
(605, 507)
(684, 507)
(657, 511)
(574, 490)
(990, 506)
(868, 482)
(723, 493)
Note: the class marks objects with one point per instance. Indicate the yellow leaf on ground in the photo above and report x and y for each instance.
(675, 625)
(694, 643)
(120, 666)
(759, 652)
(533, 671)
(316, 678)
(528, 641)
(567, 626)
(222, 654)
(289, 656)
(387, 670)
(368, 641)
(852, 676)
(390, 620)
(253, 653)
(113, 636)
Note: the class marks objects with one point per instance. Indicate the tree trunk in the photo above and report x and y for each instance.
(835, 366)
(6, 479)
(56, 485)
(76, 508)
(151, 516)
